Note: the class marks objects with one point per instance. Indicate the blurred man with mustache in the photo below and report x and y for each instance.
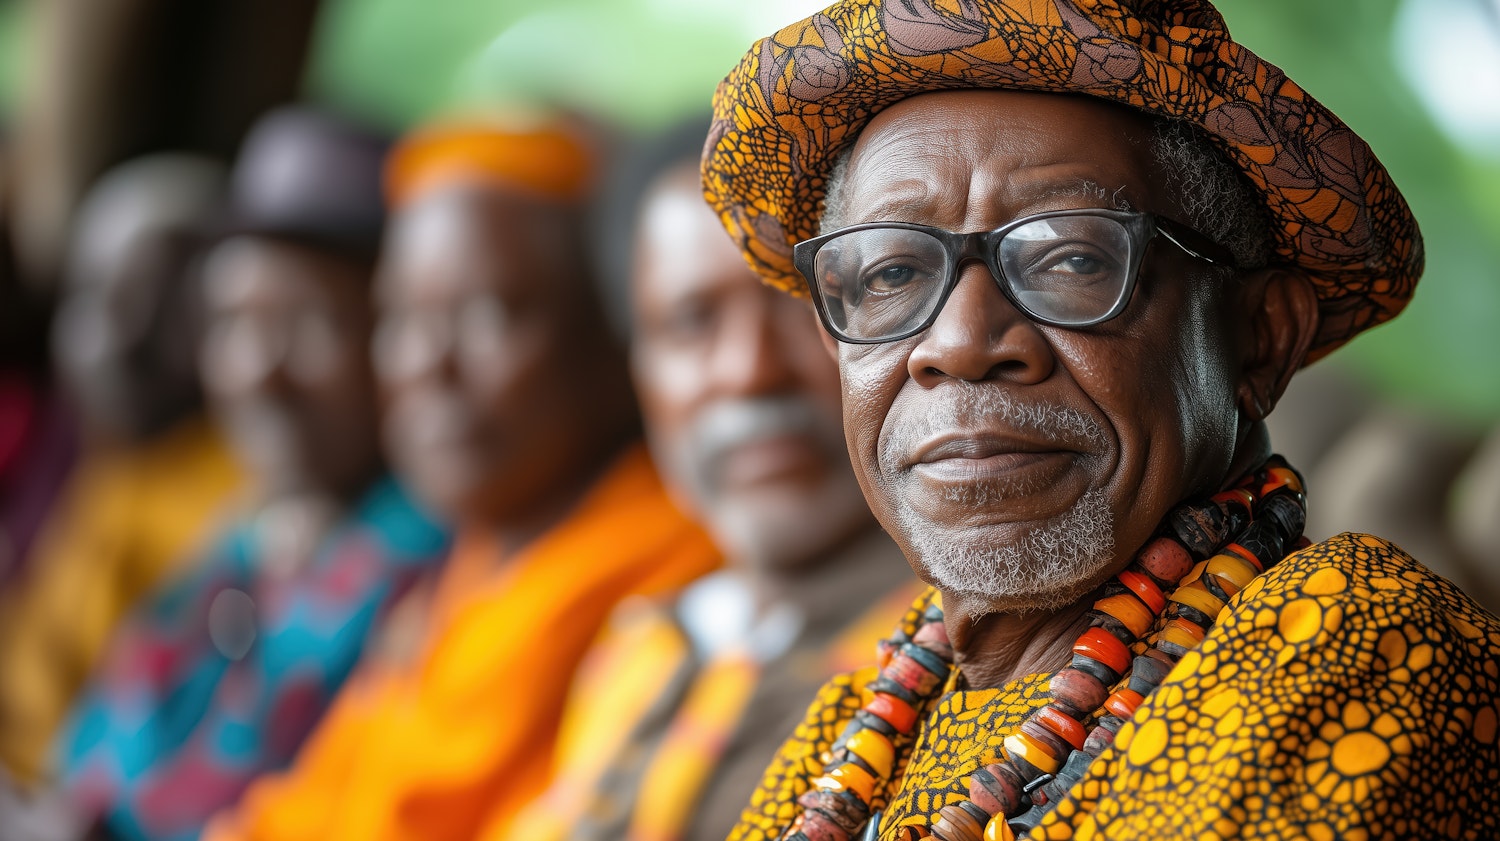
(681, 699)
(510, 413)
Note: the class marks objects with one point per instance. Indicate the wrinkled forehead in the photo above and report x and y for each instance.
(949, 157)
(472, 237)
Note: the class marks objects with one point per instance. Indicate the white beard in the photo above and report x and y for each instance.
(1048, 567)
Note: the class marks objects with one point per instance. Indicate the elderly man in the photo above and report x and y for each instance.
(1071, 254)
(484, 298)
(255, 639)
(685, 699)
(154, 472)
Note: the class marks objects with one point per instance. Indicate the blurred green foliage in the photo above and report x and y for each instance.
(645, 62)
(11, 53)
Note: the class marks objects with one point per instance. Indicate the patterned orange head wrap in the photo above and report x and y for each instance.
(801, 96)
(552, 159)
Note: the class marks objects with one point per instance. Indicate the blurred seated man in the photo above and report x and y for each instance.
(223, 672)
(153, 473)
(679, 708)
(510, 411)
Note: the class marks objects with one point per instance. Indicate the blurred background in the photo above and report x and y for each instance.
(85, 84)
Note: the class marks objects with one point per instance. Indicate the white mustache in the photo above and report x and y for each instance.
(964, 405)
(730, 424)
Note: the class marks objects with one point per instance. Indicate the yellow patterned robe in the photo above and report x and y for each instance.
(1348, 693)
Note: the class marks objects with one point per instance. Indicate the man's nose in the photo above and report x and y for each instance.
(408, 348)
(981, 335)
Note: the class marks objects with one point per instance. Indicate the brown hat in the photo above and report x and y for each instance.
(802, 95)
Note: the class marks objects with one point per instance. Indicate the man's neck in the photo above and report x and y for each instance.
(545, 511)
(858, 571)
(998, 648)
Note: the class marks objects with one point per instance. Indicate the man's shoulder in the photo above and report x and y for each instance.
(1353, 603)
(1368, 575)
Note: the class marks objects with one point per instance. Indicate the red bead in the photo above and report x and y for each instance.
(1052, 743)
(1065, 726)
(820, 827)
(955, 824)
(911, 674)
(1080, 691)
(893, 710)
(932, 632)
(1166, 560)
(996, 789)
(1102, 646)
(842, 808)
(1145, 588)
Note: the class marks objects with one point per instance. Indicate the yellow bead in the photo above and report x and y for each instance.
(1022, 746)
(1177, 635)
(875, 749)
(1193, 595)
(1232, 568)
(850, 778)
(998, 830)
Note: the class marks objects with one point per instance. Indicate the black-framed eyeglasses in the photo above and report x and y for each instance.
(884, 281)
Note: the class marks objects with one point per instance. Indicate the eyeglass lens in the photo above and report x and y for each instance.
(882, 282)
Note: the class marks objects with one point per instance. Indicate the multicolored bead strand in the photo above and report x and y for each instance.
(1205, 553)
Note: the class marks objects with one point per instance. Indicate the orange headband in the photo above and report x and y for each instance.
(552, 160)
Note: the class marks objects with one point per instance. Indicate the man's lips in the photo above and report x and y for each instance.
(974, 457)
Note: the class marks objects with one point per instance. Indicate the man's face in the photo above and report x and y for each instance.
(1017, 463)
(124, 336)
(740, 398)
(285, 363)
(481, 352)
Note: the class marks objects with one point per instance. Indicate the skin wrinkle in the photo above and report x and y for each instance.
(1157, 384)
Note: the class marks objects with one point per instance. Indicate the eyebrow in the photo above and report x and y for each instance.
(1091, 188)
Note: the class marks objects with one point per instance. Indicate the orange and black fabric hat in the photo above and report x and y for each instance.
(802, 95)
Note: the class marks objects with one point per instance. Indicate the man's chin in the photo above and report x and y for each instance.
(1039, 563)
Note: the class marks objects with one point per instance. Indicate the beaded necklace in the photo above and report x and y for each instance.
(1204, 553)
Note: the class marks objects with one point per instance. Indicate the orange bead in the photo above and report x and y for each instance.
(850, 778)
(895, 711)
(1134, 615)
(1022, 746)
(1246, 555)
(1124, 703)
(1278, 477)
(1062, 724)
(1236, 496)
(1145, 589)
(1104, 647)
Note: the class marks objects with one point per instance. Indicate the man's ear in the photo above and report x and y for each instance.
(1283, 311)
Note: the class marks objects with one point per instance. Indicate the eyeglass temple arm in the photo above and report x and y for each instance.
(1176, 235)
